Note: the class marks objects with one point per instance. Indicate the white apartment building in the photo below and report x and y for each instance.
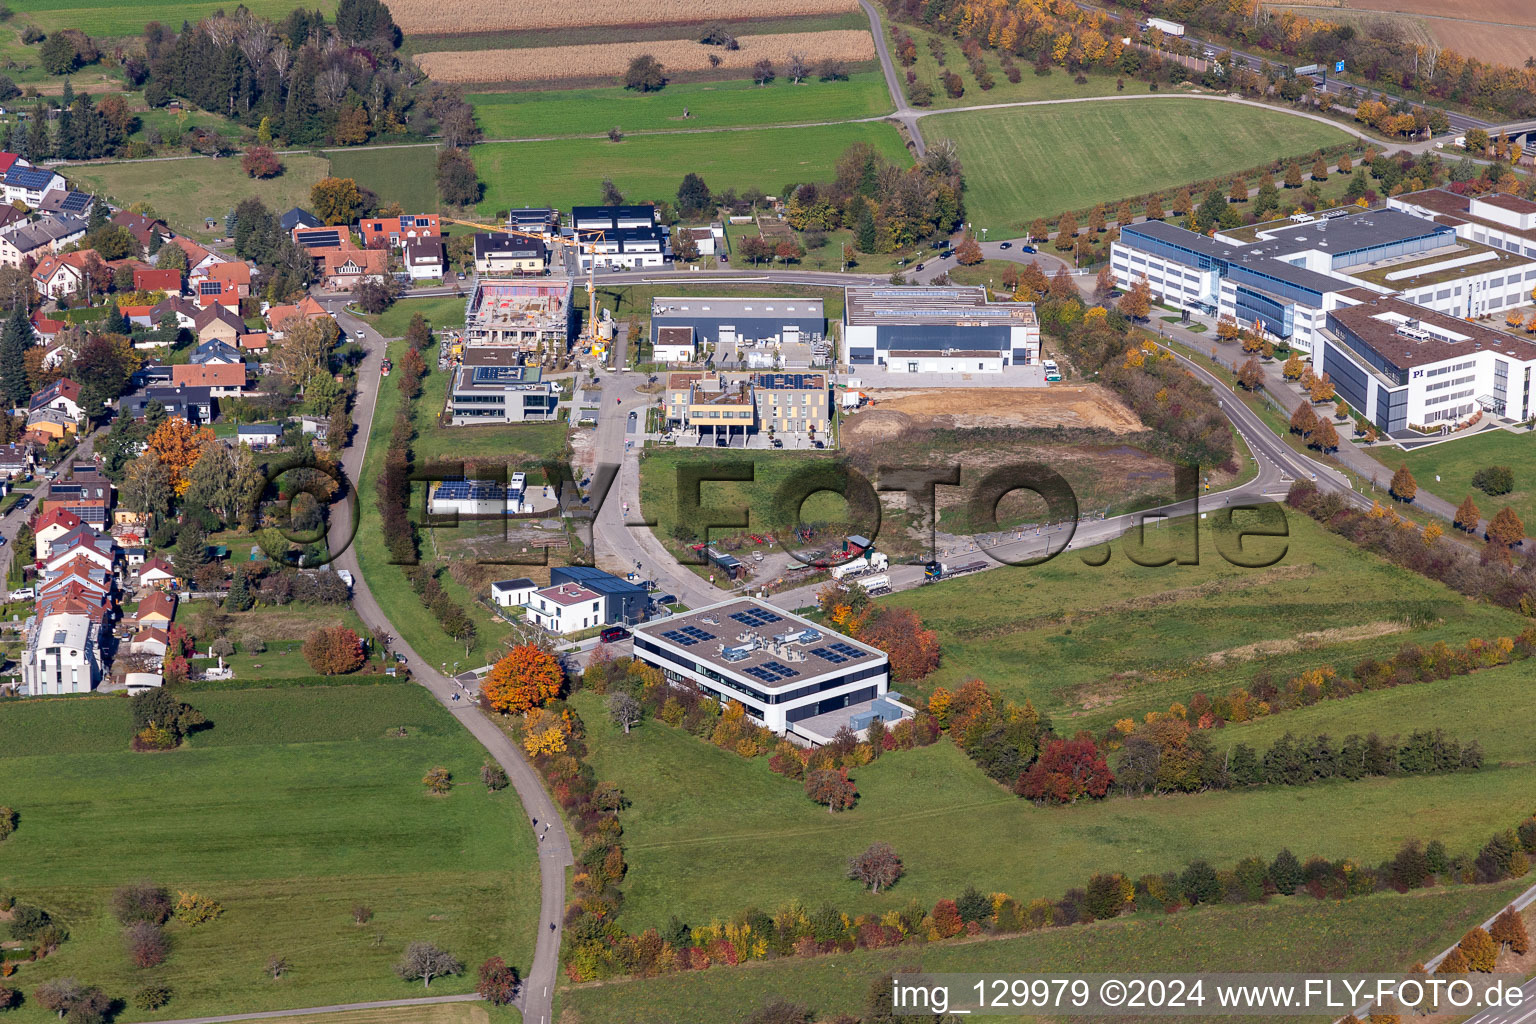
(61, 655)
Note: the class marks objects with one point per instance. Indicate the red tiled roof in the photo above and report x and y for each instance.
(217, 375)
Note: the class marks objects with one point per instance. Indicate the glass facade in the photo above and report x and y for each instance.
(1277, 317)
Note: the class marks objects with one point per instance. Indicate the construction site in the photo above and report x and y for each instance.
(531, 316)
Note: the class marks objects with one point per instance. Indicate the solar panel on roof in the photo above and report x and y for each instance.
(847, 650)
(828, 654)
(498, 374)
(756, 617)
(772, 672)
(687, 636)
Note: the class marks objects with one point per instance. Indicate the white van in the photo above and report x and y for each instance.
(1052, 372)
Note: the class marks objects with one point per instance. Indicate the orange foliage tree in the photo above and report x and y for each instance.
(179, 444)
(899, 632)
(527, 678)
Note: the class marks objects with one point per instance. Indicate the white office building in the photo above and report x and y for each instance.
(62, 655)
(950, 329)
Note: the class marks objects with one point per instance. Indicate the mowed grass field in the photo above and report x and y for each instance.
(1376, 933)
(404, 176)
(1014, 160)
(954, 827)
(184, 192)
(290, 810)
(1454, 462)
(1091, 645)
(709, 105)
(108, 18)
(570, 172)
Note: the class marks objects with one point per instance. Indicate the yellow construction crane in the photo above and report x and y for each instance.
(557, 243)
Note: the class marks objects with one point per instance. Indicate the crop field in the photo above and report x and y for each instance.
(1446, 469)
(545, 113)
(1385, 933)
(427, 16)
(536, 64)
(1115, 148)
(1498, 31)
(705, 858)
(295, 806)
(1092, 645)
(184, 193)
(569, 172)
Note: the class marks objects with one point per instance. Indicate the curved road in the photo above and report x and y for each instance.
(554, 851)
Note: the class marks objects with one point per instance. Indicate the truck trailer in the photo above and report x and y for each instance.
(1168, 28)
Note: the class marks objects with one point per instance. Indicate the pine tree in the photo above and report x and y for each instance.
(239, 598)
(1404, 487)
(115, 322)
(864, 234)
(14, 341)
(1467, 515)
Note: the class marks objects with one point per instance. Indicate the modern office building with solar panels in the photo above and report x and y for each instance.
(491, 386)
(952, 329)
(784, 669)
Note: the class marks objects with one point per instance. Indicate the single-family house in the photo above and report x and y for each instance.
(219, 379)
(143, 229)
(215, 350)
(50, 526)
(46, 425)
(193, 404)
(258, 435)
(500, 254)
(217, 323)
(9, 160)
(47, 328)
(156, 607)
(156, 280)
(399, 230)
(11, 219)
(345, 269)
(16, 460)
(226, 284)
(565, 608)
(87, 493)
(299, 218)
(319, 240)
(33, 241)
(199, 259)
(138, 316)
(81, 542)
(62, 395)
(59, 274)
(151, 640)
(255, 341)
(68, 202)
(513, 593)
(185, 311)
(425, 258)
(156, 572)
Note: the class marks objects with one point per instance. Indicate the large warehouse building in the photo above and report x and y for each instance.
(937, 330)
(765, 320)
(785, 670)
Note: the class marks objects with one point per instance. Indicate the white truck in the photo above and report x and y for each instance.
(876, 583)
(1168, 28)
(870, 561)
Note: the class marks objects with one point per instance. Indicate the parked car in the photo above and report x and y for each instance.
(777, 443)
(757, 556)
(818, 444)
(613, 634)
(919, 267)
(1006, 245)
(1028, 248)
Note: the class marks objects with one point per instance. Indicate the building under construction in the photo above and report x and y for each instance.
(531, 316)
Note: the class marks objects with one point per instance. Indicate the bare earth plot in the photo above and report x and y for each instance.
(428, 16)
(1069, 406)
(1499, 31)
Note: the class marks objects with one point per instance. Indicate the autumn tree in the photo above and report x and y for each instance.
(336, 200)
(1321, 388)
(968, 252)
(831, 786)
(1066, 230)
(498, 982)
(334, 651)
(1293, 176)
(877, 867)
(527, 677)
(82, 1004)
(625, 710)
(177, 445)
(1097, 220)
(1136, 303)
(1039, 230)
(438, 780)
(1227, 329)
(1250, 376)
(1505, 528)
(1155, 207)
(146, 944)
(1325, 438)
(1293, 368)
(305, 351)
(899, 632)
(1103, 284)
(1509, 932)
(1123, 215)
(1478, 948)
(1320, 170)
(1066, 771)
(261, 162)
(1403, 486)
(1454, 962)
(458, 183)
(424, 961)
(1303, 420)
(1238, 193)
(1183, 203)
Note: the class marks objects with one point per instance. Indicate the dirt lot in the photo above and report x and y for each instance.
(896, 411)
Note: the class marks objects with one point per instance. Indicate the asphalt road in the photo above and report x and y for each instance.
(554, 850)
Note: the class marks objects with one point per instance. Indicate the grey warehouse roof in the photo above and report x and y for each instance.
(958, 306)
(766, 306)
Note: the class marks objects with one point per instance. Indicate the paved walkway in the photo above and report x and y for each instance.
(335, 1008)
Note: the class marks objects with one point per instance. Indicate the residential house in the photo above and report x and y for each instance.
(156, 572)
(11, 219)
(792, 403)
(16, 460)
(138, 316)
(153, 279)
(59, 274)
(500, 254)
(87, 493)
(320, 240)
(565, 608)
(47, 328)
(706, 239)
(185, 310)
(143, 229)
(319, 426)
(151, 640)
(62, 395)
(45, 425)
(68, 202)
(346, 269)
(50, 526)
(258, 435)
(81, 542)
(490, 386)
(9, 160)
(674, 345)
(279, 317)
(622, 236)
(217, 323)
(28, 184)
(425, 258)
(513, 593)
(193, 404)
(218, 379)
(62, 654)
(156, 607)
(298, 218)
(226, 284)
(541, 220)
(623, 602)
(255, 341)
(397, 231)
(199, 259)
(216, 350)
(33, 241)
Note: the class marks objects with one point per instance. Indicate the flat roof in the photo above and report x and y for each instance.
(1429, 270)
(1453, 209)
(1505, 201)
(1376, 323)
(790, 381)
(674, 336)
(1251, 257)
(769, 306)
(763, 646)
(1346, 234)
(948, 306)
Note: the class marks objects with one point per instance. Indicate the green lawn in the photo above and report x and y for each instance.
(441, 312)
(1454, 462)
(569, 172)
(293, 808)
(709, 105)
(184, 192)
(1384, 933)
(1089, 646)
(405, 175)
(398, 602)
(1014, 158)
(511, 443)
(108, 18)
(712, 857)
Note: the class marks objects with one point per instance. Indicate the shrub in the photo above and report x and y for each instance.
(193, 909)
(151, 997)
(8, 820)
(146, 943)
(1494, 480)
(494, 776)
(334, 651)
(141, 901)
(27, 921)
